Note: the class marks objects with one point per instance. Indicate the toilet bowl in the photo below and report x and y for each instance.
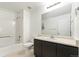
(28, 45)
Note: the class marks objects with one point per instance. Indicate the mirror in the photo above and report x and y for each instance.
(57, 22)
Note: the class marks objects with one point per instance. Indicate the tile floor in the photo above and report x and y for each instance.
(23, 53)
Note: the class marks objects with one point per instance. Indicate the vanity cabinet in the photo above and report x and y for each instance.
(66, 51)
(50, 49)
(38, 48)
(44, 49)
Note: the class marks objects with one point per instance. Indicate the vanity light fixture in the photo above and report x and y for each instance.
(53, 5)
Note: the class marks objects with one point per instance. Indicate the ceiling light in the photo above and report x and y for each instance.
(53, 5)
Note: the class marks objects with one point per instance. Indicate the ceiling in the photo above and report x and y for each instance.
(15, 6)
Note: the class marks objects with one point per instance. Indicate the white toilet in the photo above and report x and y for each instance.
(28, 45)
(28, 49)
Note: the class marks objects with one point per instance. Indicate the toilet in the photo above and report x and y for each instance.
(28, 45)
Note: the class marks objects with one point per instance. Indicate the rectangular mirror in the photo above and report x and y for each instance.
(57, 22)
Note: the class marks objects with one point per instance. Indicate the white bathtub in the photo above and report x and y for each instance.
(10, 49)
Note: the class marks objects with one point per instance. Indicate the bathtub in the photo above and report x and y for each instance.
(4, 51)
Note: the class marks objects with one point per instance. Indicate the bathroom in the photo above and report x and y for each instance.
(24, 24)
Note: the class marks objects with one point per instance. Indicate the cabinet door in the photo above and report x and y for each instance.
(66, 51)
(73, 51)
(48, 49)
(62, 51)
(37, 48)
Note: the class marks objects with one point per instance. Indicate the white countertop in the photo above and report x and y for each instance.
(61, 40)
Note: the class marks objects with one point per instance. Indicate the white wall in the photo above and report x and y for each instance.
(59, 25)
(75, 21)
(7, 27)
(35, 23)
(26, 25)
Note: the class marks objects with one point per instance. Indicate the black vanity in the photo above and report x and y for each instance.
(44, 48)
